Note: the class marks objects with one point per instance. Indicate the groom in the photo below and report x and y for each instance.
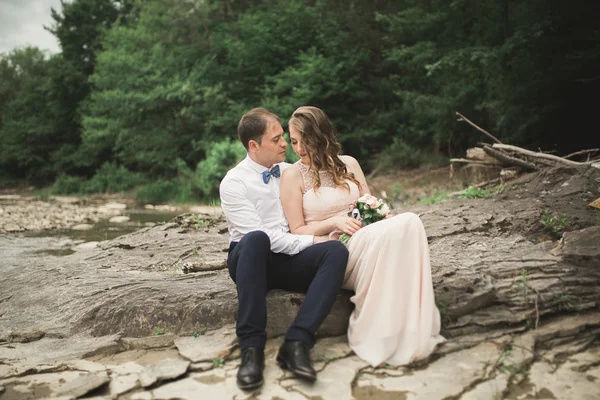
(263, 254)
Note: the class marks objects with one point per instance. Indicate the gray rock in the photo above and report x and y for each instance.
(142, 396)
(128, 368)
(85, 246)
(49, 354)
(82, 385)
(580, 246)
(123, 384)
(82, 227)
(334, 382)
(213, 345)
(201, 366)
(9, 196)
(115, 206)
(444, 378)
(148, 342)
(119, 219)
(495, 274)
(166, 369)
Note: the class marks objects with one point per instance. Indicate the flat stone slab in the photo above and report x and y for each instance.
(82, 385)
(50, 353)
(496, 274)
(166, 369)
(148, 342)
(123, 384)
(444, 378)
(564, 382)
(85, 246)
(212, 345)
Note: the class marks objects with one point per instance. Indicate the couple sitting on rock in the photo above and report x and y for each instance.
(283, 222)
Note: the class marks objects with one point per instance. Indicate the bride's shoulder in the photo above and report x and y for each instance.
(349, 160)
(292, 172)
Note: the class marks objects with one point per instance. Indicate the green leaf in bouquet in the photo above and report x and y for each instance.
(345, 238)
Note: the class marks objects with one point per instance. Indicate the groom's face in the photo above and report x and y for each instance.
(271, 150)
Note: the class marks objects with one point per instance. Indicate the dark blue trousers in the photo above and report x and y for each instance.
(317, 271)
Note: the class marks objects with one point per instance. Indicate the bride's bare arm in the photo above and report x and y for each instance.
(354, 167)
(291, 200)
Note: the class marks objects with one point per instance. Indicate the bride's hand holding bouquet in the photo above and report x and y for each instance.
(367, 209)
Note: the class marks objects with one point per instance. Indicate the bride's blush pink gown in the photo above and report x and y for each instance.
(395, 319)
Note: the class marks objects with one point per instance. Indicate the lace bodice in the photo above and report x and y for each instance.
(328, 200)
(309, 182)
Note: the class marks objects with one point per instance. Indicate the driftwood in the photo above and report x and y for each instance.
(589, 151)
(477, 153)
(473, 161)
(507, 159)
(487, 155)
(534, 154)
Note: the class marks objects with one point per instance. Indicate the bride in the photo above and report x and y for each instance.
(395, 319)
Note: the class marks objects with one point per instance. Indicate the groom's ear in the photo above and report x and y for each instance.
(253, 145)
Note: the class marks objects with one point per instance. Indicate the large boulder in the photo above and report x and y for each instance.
(494, 267)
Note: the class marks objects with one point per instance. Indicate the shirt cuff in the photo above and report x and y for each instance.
(306, 241)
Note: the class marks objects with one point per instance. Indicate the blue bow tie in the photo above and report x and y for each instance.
(272, 172)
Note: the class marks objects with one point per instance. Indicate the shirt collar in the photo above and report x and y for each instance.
(256, 166)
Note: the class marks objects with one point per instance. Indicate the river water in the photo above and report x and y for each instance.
(64, 241)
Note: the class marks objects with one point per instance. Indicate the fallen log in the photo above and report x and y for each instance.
(505, 158)
(477, 153)
(471, 161)
(534, 154)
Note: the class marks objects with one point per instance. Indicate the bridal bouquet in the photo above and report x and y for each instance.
(367, 209)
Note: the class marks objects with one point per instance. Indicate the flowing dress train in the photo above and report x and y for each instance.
(395, 319)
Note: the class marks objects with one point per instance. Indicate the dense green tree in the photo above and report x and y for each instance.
(78, 26)
(26, 119)
(144, 109)
(157, 87)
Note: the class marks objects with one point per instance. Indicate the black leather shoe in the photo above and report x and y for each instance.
(250, 374)
(294, 356)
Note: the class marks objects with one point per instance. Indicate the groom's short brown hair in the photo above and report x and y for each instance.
(253, 125)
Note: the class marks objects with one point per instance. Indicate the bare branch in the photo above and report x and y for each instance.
(592, 151)
(472, 161)
(534, 154)
(463, 118)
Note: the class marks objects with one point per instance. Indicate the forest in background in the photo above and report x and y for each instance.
(147, 94)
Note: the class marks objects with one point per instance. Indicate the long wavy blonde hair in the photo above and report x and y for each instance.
(322, 147)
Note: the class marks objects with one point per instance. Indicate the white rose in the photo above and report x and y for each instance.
(384, 210)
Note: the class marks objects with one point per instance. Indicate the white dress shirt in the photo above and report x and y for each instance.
(251, 205)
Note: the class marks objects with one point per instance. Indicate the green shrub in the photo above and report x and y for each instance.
(108, 179)
(399, 154)
(555, 223)
(66, 184)
(434, 198)
(111, 179)
(221, 157)
(476, 193)
(164, 191)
